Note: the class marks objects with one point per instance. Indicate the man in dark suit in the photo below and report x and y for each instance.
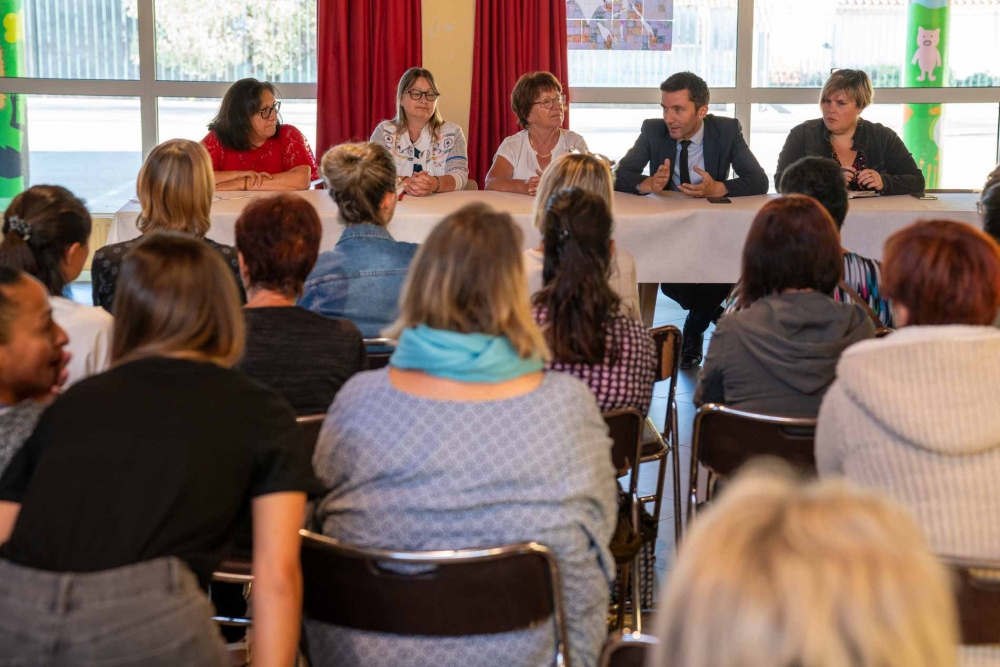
(691, 151)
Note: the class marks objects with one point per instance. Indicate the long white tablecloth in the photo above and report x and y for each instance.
(673, 238)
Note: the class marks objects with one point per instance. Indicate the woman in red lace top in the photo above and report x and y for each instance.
(249, 146)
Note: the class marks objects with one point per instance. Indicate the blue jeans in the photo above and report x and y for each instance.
(151, 614)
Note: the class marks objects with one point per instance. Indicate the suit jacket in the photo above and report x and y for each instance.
(724, 148)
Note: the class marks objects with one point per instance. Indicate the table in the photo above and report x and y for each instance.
(673, 238)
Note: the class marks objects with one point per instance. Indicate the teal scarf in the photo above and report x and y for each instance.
(471, 357)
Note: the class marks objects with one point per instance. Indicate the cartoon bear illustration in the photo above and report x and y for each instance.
(927, 53)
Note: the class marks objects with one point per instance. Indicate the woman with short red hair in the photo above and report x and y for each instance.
(914, 414)
(303, 356)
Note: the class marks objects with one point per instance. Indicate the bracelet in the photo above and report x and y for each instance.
(437, 187)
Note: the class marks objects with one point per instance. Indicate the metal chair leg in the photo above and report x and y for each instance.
(675, 447)
(623, 570)
(636, 595)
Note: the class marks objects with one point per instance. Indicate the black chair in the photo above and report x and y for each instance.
(234, 571)
(626, 429)
(726, 438)
(433, 593)
(977, 594)
(657, 445)
(378, 356)
(627, 650)
(311, 425)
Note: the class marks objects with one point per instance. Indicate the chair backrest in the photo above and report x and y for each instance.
(668, 352)
(625, 427)
(977, 593)
(726, 438)
(375, 350)
(311, 425)
(432, 593)
(627, 650)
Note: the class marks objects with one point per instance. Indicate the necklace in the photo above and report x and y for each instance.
(537, 154)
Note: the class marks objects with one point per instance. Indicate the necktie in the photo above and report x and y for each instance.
(683, 166)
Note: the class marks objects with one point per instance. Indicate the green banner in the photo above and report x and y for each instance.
(926, 66)
(13, 109)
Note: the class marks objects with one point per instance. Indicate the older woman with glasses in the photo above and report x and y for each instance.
(251, 149)
(430, 153)
(540, 107)
(871, 156)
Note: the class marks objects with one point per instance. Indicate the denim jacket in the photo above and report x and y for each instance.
(360, 279)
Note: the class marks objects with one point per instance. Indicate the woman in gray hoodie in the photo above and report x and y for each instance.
(778, 354)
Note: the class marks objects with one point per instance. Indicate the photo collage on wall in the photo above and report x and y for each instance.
(620, 25)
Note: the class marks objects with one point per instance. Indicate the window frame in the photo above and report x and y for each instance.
(147, 88)
(744, 95)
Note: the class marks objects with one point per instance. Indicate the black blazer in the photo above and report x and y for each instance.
(724, 148)
(885, 151)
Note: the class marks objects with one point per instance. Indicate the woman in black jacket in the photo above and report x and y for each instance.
(871, 156)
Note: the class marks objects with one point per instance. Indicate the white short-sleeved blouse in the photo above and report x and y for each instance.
(517, 150)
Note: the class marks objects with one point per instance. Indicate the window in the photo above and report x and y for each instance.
(90, 145)
(227, 40)
(797, 43)
(690, 35)
(72, 39)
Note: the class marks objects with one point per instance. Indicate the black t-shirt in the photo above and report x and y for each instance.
(156, 457)
(303, 356)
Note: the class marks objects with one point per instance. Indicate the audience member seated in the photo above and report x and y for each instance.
(430, 152)
(112, 526)
(820, 178)
(540, 106)
(175, 190)
(579, 312)
(46, 233)
(988, 207)
(465, 442)
(361, 278)
(820, 575)
(914, 414)
(871, 156)
(303, 356)
(32, 360)
(251, 149)
(778, 354)
(994, 174)
(589, 173)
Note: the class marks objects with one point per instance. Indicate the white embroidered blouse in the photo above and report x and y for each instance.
(445, 157)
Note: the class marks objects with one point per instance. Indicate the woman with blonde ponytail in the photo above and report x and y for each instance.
(361, 278)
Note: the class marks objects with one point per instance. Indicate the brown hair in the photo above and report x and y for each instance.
(175, 188)
(406, 82)
(527, 89)
(943, 272)
(822, 575)
(468, 276)
(176, 296)
(793, 243)
(358, 177)
(278, 238)
(56, 220)
(853, 83)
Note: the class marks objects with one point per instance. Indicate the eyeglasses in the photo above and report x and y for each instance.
(550, 102)
(266, 112)
(428, 95)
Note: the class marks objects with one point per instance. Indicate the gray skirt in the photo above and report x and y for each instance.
(152, 614)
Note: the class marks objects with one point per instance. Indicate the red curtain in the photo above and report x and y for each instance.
(512, 37)
(364, 48)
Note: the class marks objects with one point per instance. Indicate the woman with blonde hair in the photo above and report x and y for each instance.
(871, 156)
(112, 527)
(592, 174)
(405, 472)
(175, 189)
(821, 575)
(361, 277)
(430, 152)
